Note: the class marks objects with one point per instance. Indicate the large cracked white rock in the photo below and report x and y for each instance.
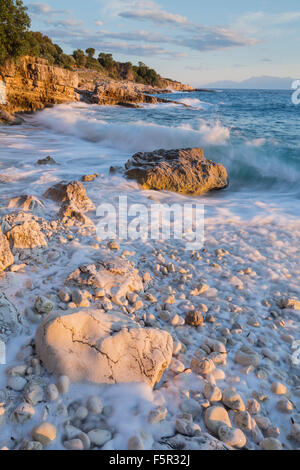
(89, 345)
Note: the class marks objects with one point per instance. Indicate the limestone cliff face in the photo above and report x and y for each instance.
(33, 84)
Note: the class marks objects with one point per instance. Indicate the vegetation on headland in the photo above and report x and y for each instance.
(17, 40)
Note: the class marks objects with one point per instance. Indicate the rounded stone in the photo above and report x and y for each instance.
(253, 407)
(233, 400)
(99, 437)
(52, 392)
(45, 433)
(278, 388)
(74, 444)
(212, 392)
(214, 417)
(232, 436)
(270, 443)
(63, 384)
(94, 405)
(285, 406)
(16, 383)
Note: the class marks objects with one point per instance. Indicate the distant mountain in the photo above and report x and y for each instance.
(264, 83)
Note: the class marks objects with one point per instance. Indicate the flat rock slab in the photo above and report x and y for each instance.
(184, 171)
(88, 345)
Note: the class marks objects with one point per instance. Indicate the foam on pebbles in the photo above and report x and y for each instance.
(230, 309)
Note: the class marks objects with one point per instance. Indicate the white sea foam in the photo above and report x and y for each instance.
(132, 136)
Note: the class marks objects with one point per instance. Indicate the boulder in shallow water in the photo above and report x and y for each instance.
(184, 171)
(72, 193)
(6, 256)
(89, 345)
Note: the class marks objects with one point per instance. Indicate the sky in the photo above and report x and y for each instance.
(193, 41)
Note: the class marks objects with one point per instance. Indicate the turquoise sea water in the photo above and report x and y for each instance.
(254, 133)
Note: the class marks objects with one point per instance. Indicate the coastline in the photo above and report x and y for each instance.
(233, 363)
(32, 84)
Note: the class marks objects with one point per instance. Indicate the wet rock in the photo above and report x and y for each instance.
(289, 302)
(285, 406)
(187, 427)
(52, 392)
(27, 235)
(157, 415)
(203, 442)
(87, 178)
(212, 392)
(46, 161)
(74, 444)
(270, 443)
(24, 412)
(63, 384)
(182, 170)
(99, 437)
(43, 305)
(247, 358)
(94, 405)
(278, 388)
(253, 407)
(27, 203)
(232, 436)
(115, 275)
(202, 366)
(214, 417)
(70, 194)
(45, 433)
(233, 400)
(102, 348)
(31, 445)
(6, 256)
(33, 393)
(16, 383)
(194, 318)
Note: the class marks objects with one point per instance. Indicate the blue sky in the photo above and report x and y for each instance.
(193, 41)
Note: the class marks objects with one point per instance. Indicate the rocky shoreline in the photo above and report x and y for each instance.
(32, 84)
(210, 344)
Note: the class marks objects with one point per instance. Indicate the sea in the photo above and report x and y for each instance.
(253, 133)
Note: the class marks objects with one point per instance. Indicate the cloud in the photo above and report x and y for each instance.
(157, 17)
(98, 23)
(45, 9)
(143, 36)
(260, 21)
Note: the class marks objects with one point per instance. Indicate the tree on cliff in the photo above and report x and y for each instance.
(14, 22)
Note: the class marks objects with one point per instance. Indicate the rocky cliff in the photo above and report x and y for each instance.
(33, 84)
